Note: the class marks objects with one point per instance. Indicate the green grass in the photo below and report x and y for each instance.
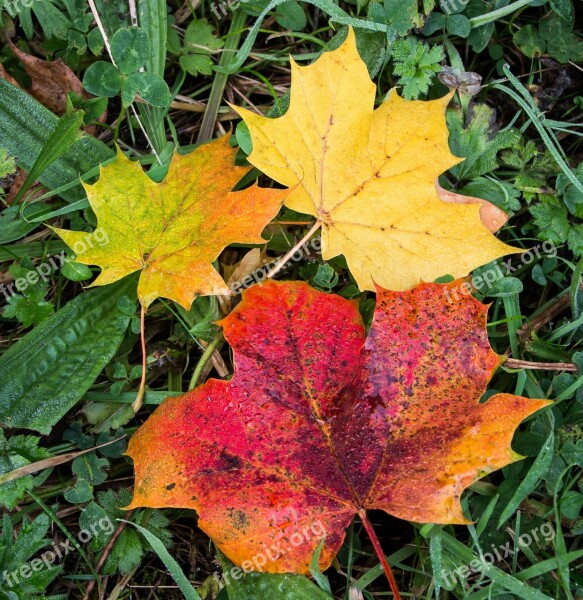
(521, 137)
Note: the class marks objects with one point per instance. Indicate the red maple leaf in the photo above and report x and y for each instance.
(319, 423)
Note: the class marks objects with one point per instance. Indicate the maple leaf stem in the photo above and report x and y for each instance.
(379, 550)
(137, 403)
(283, 261)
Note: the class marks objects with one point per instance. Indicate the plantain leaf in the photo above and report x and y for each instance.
(64, 136)
(25, 129)
(65, 353)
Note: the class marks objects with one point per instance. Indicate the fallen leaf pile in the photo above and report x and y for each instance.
(368, 176)
(319, 423)
(174, 230)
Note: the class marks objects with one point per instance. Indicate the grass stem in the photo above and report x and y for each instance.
(206, 355)
(137, 404)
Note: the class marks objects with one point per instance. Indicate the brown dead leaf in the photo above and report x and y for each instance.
(18, 182)
(5, 75)
(50, 81)
(187, 9)
(251, 262)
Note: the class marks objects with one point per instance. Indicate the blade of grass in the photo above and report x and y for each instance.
(31, 249)
(551, 564)
(152, 17)
(435, 552)
(525, 101)
(494, 15)
(220, 81)
(394, 559)
(539, 467)
(508, 582)
(559, 541)
(79, 205)
(328, 7)
(485, 518)
(514, 316)
(318, 576)
(350, 559)
(66, 134)
(51, 514)
(25, 127)
(173, 567)
(206, 356)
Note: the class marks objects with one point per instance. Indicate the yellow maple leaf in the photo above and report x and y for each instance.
(369, 176)
(172, 231)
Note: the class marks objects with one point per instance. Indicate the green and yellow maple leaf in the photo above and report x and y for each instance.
(172, 231)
